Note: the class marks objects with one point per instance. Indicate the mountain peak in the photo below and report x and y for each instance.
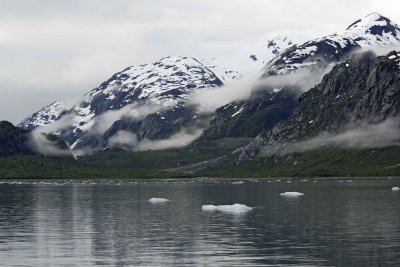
(174, 59)
(376, 24)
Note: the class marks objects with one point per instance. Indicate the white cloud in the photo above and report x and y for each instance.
(356, 136)
(128, 140)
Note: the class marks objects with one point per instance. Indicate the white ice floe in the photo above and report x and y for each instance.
(291, 194)
(158, 200)
(238, 182)
(235, 208)
(395, 188)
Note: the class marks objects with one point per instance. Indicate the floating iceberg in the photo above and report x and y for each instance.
(395, 188)
(238, 182)
(158, 200)
(291, 194)
(235, 208)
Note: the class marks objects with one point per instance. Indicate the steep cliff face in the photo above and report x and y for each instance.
(361, 91)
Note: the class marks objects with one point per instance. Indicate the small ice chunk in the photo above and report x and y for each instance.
(235, 208)
(291, 194)
(238, 182)
(395, 188)
(158, 200)
(347, 64)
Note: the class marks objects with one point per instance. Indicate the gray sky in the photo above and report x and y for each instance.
(57, 49)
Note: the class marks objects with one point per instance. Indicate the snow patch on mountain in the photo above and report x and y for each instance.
(252, 59)
(46, 115)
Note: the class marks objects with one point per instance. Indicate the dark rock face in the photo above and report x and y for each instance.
(364, 89)
(13, 140)
(263, 110)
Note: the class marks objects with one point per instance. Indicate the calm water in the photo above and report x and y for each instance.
(80, 224)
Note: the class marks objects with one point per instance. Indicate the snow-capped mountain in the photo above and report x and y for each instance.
(249, 60)
(371, 31)
(46, 115)
(149, 100)
(264, 107)
(357, 104)
(225, 68)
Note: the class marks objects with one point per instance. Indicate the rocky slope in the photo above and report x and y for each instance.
(247, 118)
(363, 90)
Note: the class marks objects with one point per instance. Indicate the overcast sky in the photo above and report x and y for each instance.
(57, 49)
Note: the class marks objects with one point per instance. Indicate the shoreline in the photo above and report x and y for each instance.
(197, 179)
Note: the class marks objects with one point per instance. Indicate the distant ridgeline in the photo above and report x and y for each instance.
(327, 106)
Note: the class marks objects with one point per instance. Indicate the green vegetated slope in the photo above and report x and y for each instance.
(116, 163)
(26, 167)
(323, 162)
(319, 163)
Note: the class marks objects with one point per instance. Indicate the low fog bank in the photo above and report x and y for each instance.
(301, 80)
(353, 136)
(128, 140)
(40, 143)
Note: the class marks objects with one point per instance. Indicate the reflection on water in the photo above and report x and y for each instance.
(341, 224)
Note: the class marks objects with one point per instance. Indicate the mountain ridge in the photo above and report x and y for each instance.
(151, 100)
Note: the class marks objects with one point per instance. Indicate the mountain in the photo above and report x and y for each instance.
(297, 69)
(149, 100)
(357, 104)
(247, 60)
(374, 30)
